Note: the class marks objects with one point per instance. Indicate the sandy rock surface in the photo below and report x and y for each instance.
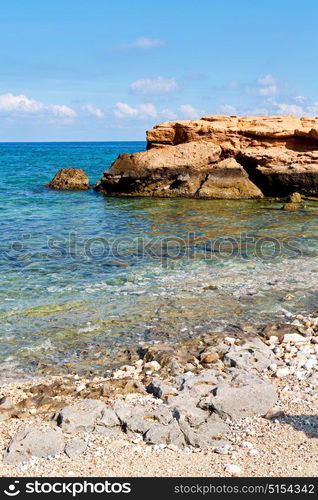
(221, 157)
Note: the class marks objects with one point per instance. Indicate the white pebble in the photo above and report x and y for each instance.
(282, 372)
(253, 452)
(232, 469)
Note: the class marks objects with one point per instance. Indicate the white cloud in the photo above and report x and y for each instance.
(229, 109)
(140, 111)
(312, 110)
(267, 80)
(93, 111)
(190, 112)
(266, 87)
(233, 84)
(19, 103)
(142, 42)
(267, 91)
(167, 114)
(289, 109)
(299, 98)
(159, 85)
(62, 110)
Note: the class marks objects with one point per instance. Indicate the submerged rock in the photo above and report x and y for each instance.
(291, 206)
(226, 157)
(295, 198)
(72, 179)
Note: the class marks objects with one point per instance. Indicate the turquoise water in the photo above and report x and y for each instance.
(85, 276)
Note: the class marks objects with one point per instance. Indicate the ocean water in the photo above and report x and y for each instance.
(84, 276)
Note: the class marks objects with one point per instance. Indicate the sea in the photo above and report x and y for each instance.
(87, 277)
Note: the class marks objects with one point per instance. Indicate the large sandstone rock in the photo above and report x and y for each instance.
(221, 157)
(71, 179)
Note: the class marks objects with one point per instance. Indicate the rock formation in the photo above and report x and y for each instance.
(219, 156)
(70, 179)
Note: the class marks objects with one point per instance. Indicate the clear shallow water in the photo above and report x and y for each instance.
(85, 276)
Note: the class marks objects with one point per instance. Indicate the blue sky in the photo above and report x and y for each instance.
(108, 70)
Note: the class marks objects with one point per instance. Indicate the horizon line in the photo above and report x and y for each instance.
(63, 142)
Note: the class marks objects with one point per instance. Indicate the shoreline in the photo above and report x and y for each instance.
(253, 443)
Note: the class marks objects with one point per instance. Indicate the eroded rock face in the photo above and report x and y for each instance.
(226, 157)
(72, 179)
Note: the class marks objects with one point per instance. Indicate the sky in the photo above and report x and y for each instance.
(103, 70)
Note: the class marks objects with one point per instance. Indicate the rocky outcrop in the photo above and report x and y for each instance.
(221, 157)
(71, 179)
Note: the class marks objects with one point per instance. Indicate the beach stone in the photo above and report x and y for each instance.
(294, 338)
(252, 354)
(165, 434)
(209, 357)
(199, 385)
(192, 415)
(109, 418)
(75, 448)
(152, 365)
(141, 419)
(233, 469)
(6, 403)
(82, 416)
(70, 179)
(34, 443)
(160, 389)
(108, 431)
(244, 396)
(207, 435)
(282, 372)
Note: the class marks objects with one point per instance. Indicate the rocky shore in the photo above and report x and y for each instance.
(244, 404)
(221, 157)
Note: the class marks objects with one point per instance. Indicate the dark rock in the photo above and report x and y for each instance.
(73, 179)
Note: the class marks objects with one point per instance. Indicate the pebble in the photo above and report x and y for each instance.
(232, 469)
(253, 452)
(153, 365)
(223, 450)
(282, 372)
